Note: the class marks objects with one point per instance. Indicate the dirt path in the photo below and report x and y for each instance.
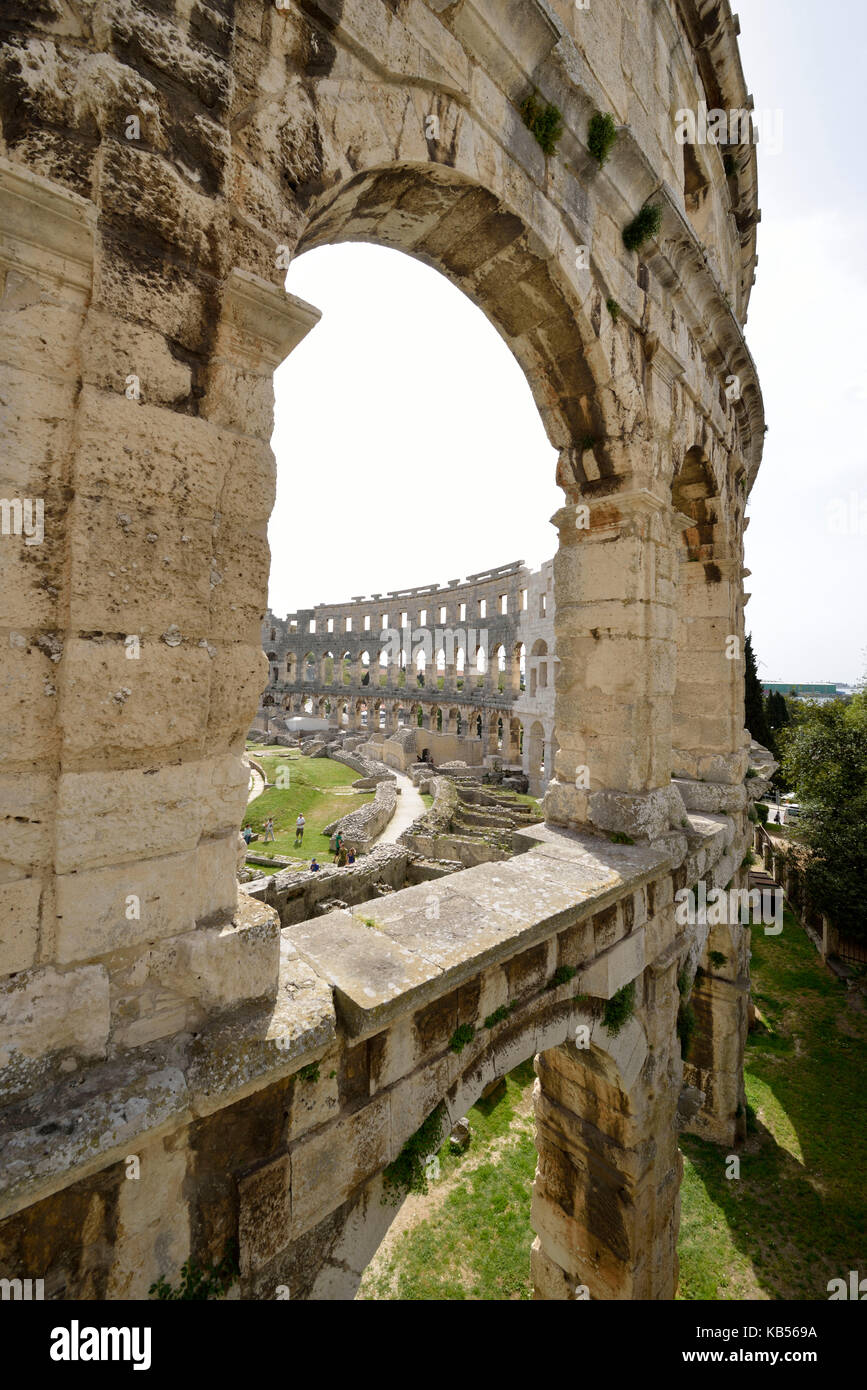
(257, 783)
(409, 805)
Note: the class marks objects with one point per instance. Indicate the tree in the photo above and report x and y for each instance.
(825, 759)
(754, 705)
(777, 717)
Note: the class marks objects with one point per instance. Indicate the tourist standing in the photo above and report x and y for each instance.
(269, 830)
(299, 829)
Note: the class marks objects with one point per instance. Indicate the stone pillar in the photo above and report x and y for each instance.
(549, 755)
(606, 1197)
(615, 637)
(46, 266)
(708, 736)
(714, 1062)
(830, 938)
(134, 659)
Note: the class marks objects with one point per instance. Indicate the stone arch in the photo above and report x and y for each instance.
(308, 668)
(497, 666)
(708, 740)
(326, 144)
(460, 667)
(426, 209)
(605, 1201)
(538, 669)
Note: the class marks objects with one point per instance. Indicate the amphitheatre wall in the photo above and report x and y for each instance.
(160, 166)
(471, 664)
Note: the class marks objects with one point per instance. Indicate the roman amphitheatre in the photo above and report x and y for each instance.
(274, 1053)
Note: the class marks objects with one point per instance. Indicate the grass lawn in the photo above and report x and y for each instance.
(476, 1245)
(795, 1218)
(317, 786)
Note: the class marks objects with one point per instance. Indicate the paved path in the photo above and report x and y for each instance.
(409, 805)
(257, 783)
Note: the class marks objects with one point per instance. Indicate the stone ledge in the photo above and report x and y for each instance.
(399, 952)
(113, 1106)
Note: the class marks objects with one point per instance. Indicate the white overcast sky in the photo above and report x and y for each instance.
(410, 450)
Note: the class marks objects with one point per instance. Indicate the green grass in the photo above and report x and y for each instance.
(477, 1244)
(313, 784)
(795, 1218)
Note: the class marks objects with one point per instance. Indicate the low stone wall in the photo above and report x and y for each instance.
(464, 850)
(360, 828)
(296, 896)
(271, 1127)
(365, 766)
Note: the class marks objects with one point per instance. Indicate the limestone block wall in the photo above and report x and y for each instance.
(296, 897)
(160, 167)
(274, 1131)
(360, 828)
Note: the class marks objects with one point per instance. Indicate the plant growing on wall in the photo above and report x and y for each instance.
(544, 122)
(407, 1172)
(619, 1009)
(601, 136)
(643, 226)
(461, 1036)
(198, 1283)
(686, 1024)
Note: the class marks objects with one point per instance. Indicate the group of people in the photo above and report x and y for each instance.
(342, 855)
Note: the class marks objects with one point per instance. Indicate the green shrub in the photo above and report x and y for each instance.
(613, 308)
(619, 1008)
(544, 121)
(601, 136)
(199, 1283)
(717, 958)
(561, 975)
(686, 1025)
(407, 1172)
(310, 1072)
(461, 1036)
(497, 1016)
(643, 226)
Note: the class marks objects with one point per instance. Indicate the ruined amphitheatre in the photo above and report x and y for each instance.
(162, 163)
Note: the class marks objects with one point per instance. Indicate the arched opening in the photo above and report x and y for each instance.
(538, 667)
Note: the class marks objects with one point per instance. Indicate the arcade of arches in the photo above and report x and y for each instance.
(484, 694)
